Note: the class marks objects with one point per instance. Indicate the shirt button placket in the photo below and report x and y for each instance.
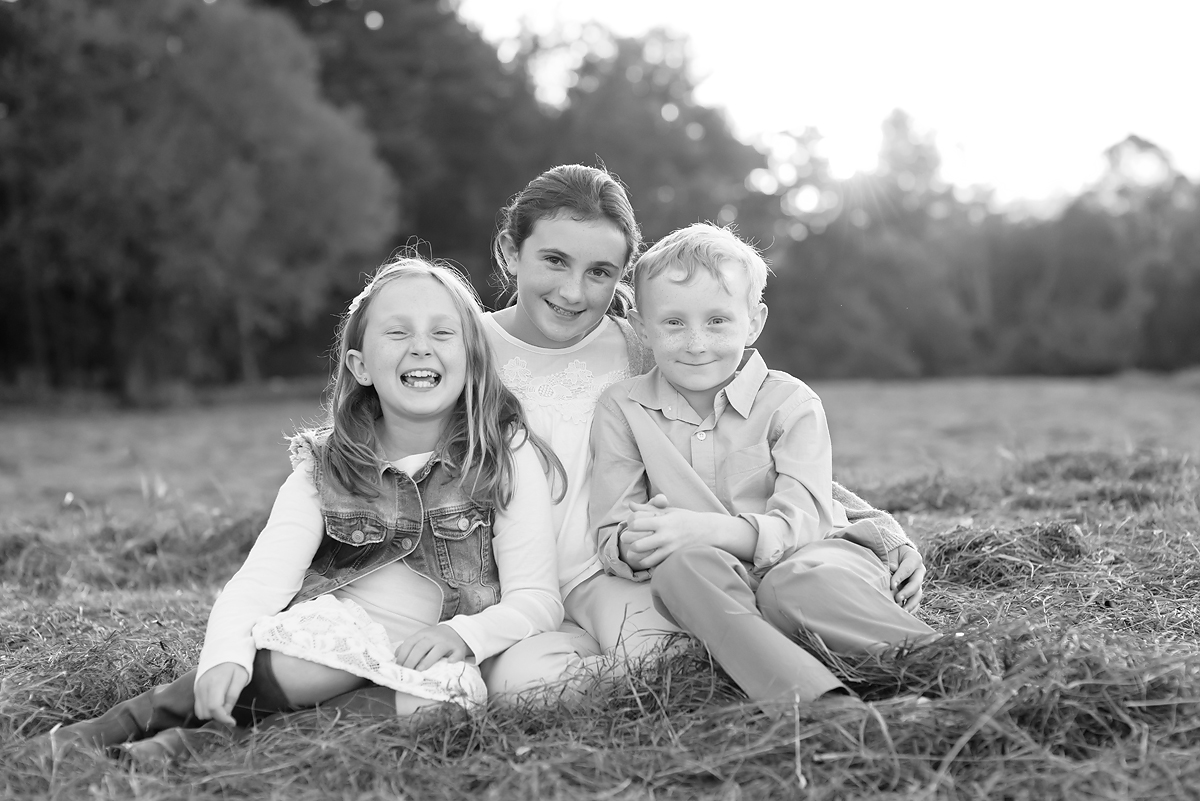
(703, 459)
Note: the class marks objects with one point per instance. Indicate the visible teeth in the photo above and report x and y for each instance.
(565, 312)
(421, 378)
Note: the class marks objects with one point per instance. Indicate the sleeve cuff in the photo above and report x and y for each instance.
(475, 643)
(894, 540)
(234, 654)
(769, 548)
(610, 557)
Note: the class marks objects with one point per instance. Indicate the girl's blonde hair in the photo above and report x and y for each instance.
(581, 193)
(482, 430)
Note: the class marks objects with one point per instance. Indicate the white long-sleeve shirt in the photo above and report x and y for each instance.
(522, 542)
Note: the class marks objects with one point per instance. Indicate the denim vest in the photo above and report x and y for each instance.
(430, 520)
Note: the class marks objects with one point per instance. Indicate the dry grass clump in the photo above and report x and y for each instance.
(1152, 465)
(30, 562)
(1018, 708)
(162, 548)
(1134, 481)
(62, 663)
(934, 492)
(995, 557)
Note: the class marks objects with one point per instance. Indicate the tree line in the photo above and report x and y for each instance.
(190, 190)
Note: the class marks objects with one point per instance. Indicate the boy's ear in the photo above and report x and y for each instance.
(358, 367)
(639, 327)
(510, 253)
(758, 320)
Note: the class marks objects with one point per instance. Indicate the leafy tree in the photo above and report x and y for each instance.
(1097, 288)
(1155, 211)
(631, 105)
(198, 195)
(863, 264)
(462, 131)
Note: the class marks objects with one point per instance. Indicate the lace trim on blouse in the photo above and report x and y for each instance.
(571, 392)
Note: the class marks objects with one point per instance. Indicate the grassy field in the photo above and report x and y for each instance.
(1058, 519)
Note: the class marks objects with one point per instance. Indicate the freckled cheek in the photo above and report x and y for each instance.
(684, 340)
(725, 343)
(671, 340)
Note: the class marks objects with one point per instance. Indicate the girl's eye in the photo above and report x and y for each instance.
(601, 273)
(444, 332)
(555, 260)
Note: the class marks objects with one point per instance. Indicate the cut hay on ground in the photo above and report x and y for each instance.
(1070, 670)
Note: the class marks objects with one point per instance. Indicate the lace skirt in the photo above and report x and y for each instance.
(338, 633)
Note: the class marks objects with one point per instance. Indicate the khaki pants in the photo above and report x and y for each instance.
(833, 588)
(610, 622)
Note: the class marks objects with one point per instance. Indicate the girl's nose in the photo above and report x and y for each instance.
(571, 289)
(420, 345)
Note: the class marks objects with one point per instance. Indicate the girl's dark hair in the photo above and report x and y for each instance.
(584, 194)
(481, 432)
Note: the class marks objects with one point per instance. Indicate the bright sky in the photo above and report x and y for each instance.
(1023, 96)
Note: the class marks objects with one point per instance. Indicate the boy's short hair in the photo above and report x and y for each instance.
(703, 246)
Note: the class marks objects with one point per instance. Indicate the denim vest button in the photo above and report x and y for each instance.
(463, 523)
(357, 536)
(406, 543)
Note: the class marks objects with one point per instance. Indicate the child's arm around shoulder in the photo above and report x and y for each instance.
(525, 553)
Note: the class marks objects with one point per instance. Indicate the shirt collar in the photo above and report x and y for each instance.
(743, 389)
(385, 466)
(654, 391)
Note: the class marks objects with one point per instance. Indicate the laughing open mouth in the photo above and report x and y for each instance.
(421, 379)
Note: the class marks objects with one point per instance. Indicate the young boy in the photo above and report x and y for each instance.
(713, 478)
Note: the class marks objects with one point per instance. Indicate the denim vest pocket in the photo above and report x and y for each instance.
(463, 542)
(350, 534)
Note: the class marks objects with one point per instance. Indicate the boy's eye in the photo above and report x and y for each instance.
(718, 320)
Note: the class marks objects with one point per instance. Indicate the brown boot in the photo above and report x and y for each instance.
(173, 744)
(164, 707)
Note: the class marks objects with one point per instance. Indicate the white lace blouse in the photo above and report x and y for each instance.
(558, 388)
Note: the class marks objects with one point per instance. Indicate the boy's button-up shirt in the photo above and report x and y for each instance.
(763, 455)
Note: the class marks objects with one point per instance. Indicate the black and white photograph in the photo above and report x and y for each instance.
(638, 400)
